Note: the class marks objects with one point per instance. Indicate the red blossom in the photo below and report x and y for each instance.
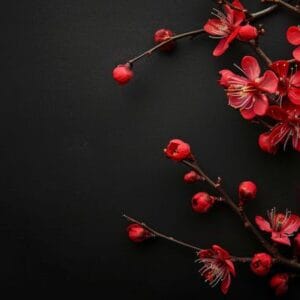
(287, 128)
(191, 177)
(261, 264)
(247, 191)
(162, 35)
(279, 282)
(217, 267)
(202, 202)
(293, 36)
(289, 84)
(178, 150)
(248, 93)
(281, 226)
(122, 74)
(138, 233)
(227, 27)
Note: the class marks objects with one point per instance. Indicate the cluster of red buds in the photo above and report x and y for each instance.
(271, 98)
(217, 264)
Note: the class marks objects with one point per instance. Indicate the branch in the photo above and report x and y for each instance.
(158, 46)
(240, 212)
(171, 239)
(285, 4)
(260, 52)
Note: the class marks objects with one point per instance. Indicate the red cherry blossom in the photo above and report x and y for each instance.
(178, 150)
(289, 84)
(279, 282)
(202, 202)
(261, 264)
(162, 35)
(227, 27)
(248, 93)
(293, 36)
(217, 267)
(122, 74)
(281, 226)
(138, 233)
(287, 128)
(191, 177)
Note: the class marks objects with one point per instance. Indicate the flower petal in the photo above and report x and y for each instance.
(239, 16)
(251, 67)
(281, 68)
(294, 95)
(224, 43)
(222, 253)
(293, 35)
(277, 113)
(213, 26)
(261, 105)
(247, 114)
(268, 82)
(226, 284)
(292, 225)
(296, 53)
(281, 239)
(263, 224)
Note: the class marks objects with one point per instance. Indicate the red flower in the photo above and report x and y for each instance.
(227, 27)
(162, 35)
(247, 190)
(247, 93)
(217, 267)
(279, 283)
(138, 233)
(261, 264)
(178, 150)
(293, 36)
(191, 177)
(281, 226)
(289, 84)
(122, 74)
(202, 202)
(288, 127)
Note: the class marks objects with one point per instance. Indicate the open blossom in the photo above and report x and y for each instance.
(217, 267)
(287, 128)
(279, 282)
(227, 27)
(178, 150)
(248, 93)
(281, 226)
(289, 84)
(293, 36)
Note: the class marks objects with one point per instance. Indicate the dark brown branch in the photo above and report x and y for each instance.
(260, 52)
(240, 212)
(158, 46)
(171, 239)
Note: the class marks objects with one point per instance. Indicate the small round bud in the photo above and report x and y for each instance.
(162, 35)
(247, 190)
(191, 177)
(261, 264)
(265, 144)
(122, 74)
(178, 150)
(279, 282)
(138, 233)
(202, 202)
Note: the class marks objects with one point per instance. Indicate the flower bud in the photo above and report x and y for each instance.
(202, 202)
(297, 244)
(191, 177)
(247, 190)
(178, 150)
(247, 33)
(265, 143)
(162, 35)
(279, 282)
(138, 233)
(261, 264)
(122, 74)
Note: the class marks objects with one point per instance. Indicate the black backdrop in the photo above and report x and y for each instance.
(77, 150)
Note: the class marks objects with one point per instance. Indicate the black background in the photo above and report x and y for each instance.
(77, 150)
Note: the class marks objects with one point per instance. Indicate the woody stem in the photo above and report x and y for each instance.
(217, 186)
(260, 52)
(158, 46)
(171, 239)
(285, 4)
